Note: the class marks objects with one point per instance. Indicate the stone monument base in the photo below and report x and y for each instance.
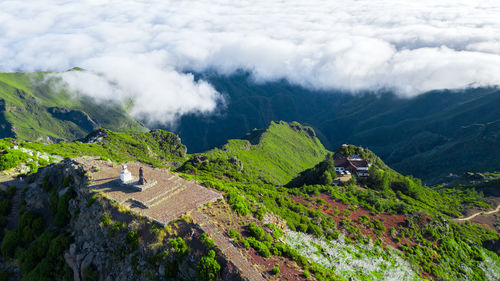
(134, 184)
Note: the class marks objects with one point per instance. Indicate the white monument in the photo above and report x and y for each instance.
(125, 174)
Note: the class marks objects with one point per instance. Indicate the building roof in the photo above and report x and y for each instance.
(359, 163)
(347, 163)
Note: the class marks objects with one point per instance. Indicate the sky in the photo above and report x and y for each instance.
(143, 50)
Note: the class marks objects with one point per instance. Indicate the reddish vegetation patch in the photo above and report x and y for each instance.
(224, 218)
(491, 221)
(288, 269)
(389, 221)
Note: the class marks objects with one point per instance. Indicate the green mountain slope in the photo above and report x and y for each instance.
(274, 155)
(428, 136)
(32, 109)
(375, 228)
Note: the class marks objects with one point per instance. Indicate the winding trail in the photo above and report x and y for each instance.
(480, 213)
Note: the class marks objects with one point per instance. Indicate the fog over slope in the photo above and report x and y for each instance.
(141, 50)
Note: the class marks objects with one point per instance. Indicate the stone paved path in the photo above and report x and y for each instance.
(227, 248)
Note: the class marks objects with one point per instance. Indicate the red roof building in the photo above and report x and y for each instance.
(355, 166)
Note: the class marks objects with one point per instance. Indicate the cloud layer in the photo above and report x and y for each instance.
(139, 48)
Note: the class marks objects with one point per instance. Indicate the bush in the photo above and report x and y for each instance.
(62, 216)
(259, 246)
(234, 234)
(91, 274)
(209, 243)
(91, 200)
(12, 191)
(11, 158)
(238, 203)
(9, 243)
(276, 270)
(31, 225)
(4, 275)
(5, 206)
(133, 239)
(106, 220)
(180, 246)
(208, 268)
(256, 231)
(245, 243)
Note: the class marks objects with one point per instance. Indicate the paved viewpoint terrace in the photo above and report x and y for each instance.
(168, 199)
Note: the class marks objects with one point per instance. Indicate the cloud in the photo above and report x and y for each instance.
(141, 50)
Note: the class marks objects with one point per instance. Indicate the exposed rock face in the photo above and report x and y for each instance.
(6, 130)
(169, 142)
(236, 162)
(96, 136)
(80, 118)
(104, 245)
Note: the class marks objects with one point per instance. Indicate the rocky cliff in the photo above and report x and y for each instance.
(109, 242)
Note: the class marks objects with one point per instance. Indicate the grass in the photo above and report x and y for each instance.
(277, 154)
(164, 148)
(28, 97)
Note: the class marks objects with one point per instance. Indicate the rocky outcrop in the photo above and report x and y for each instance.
(80, 118)
(112, 242)
(169, 142)
(6, 129)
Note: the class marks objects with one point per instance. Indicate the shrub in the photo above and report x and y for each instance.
(234, 234)
(276, 270)
(62, 216)
(133, 239)
(4, 275)
(91, 200)
(5, 206)
(31, 225)
(256, 231)
(11, 158)
(36, 252)
(12, 191)
(245, 243)
(9, 243)
(180, 246)
(259, 246)
(209, 243)
(91, 274)
(106, 220)
(238, 203)
(208, 268)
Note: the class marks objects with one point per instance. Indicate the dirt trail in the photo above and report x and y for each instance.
(480, 213)
(227, 247)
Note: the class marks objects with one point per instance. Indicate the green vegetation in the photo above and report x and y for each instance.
(209, 243)
(428, 136)
(275, 155)
(208, 268)
(276, 270)
(323, 173)
(163, 147)
(251, 173)
(179, 246)
(33, 106)
(132, 240)
(385, 191)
